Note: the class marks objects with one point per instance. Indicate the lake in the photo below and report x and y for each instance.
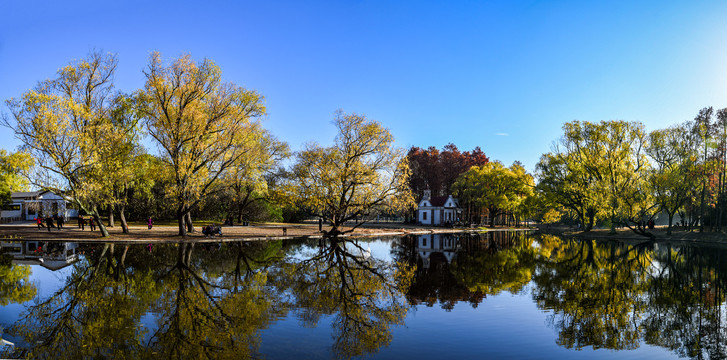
(456, 296)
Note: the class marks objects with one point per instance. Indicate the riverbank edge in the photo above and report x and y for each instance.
(197, 239)
(629, 236)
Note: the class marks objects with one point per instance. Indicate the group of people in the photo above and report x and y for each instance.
(82, 222)
(211, 230)
(54, 221)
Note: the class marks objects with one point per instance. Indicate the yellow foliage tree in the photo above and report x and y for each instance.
(67, 125)
(202, 125)
(360, 173)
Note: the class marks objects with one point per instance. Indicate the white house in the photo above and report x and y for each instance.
(438, 210)
(27, 205)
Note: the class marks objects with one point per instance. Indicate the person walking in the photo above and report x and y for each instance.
(39, 221)
(150, 222)
(81, 222)
(92, 223)
(61, 221)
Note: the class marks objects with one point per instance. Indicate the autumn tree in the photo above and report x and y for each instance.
(66, 125)
(201, 125)
(437, 171)
(248, 182)
(12, 167)
(361, 172)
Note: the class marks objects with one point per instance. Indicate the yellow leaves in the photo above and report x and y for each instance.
(202, 126)
(361, 172)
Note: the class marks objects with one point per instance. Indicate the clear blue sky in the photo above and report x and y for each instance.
(501, 75)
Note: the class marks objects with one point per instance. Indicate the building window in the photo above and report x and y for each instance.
(10, 207)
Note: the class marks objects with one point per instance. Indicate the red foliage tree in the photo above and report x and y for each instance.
(437, 171)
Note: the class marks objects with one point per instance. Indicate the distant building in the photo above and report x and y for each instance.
(438, 210)
(27, 206)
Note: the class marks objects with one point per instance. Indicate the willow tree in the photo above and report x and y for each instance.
(674, 178)
(360, 173)
(495, 187)
(65, 124)
(202, 125)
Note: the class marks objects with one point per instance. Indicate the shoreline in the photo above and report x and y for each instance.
(263, 232)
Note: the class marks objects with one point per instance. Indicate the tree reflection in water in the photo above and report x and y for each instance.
(364, 295)
(466, 267)
(615, 295)
(210, 301)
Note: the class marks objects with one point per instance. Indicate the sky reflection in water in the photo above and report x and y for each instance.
(496, 295)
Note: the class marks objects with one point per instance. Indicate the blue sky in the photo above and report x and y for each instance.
(501, 75)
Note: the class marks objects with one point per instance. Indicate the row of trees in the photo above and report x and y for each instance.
(214, 155)
(616, 172)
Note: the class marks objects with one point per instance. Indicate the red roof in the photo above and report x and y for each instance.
(438, 200)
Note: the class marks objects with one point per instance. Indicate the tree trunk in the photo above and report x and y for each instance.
(180, 219)
(671, 217)
(101, 226)
(122, 216)
(188, 221)
(111, 216)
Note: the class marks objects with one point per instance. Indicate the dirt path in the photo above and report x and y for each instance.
(30, 231)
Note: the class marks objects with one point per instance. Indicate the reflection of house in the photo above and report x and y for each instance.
(438, 210)
(50, 255)
(27, 206)
(430, 244)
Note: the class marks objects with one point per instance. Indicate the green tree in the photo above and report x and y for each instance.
(362, 171)
(494, 187)
(600, 171)
(674, 176)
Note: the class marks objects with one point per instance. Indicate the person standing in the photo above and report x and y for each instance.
(150, 222)
(80, 222)
(92, 223)
(49, 222)
(39, 221)
(61, 221)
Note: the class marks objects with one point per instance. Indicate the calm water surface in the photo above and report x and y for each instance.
(493, 295)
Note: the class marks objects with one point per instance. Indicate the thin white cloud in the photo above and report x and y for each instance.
(502, 134)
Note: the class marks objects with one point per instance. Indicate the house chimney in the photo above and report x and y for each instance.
(427, 195)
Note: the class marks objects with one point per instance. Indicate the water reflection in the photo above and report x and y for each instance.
(364, 295)
(466, 267)
(212, 300)
(208, 300)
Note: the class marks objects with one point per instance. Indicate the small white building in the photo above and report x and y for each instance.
(438, 210)
(27, 206)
